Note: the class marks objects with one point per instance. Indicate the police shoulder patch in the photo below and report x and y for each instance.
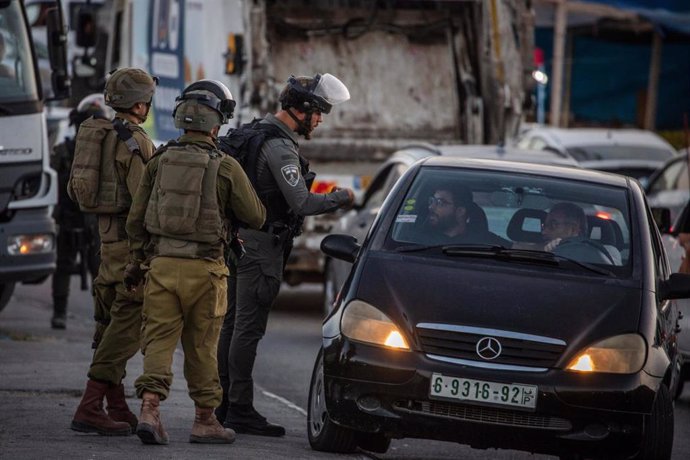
(290, 174)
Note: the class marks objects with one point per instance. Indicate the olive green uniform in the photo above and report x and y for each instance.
(186, 297)
(117, 311)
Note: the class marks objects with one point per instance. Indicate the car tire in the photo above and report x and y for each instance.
(324, 435)
(657, 440)
(373, 442)
(329, 290)
(6, 290)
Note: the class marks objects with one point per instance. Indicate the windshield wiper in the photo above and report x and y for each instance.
(6, 110)
(522, 255)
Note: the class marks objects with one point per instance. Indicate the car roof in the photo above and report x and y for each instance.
(574, 137)
(560, 172)
(415, 152)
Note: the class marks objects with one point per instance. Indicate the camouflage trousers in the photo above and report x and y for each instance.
(183, 299)
(118, 315)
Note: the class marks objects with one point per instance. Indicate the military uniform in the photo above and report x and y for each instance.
(185, 291)
(74, 229)
(252, 289)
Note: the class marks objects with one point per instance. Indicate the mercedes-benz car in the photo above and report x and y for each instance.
(481, 332)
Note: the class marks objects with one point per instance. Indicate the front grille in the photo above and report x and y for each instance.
(488, 415)
(516, 350)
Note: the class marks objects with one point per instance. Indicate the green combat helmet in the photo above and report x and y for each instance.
(203, 105)
(127, 86)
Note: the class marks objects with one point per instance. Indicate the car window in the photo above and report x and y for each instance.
(537, 143)
(618, 152)
(518, 211)
(674, 177)
(382, 184)
(661, 270)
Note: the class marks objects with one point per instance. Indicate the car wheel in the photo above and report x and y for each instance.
(373, 442)
(657, 441)
(6, 290)
(329, 289)
(323, 434)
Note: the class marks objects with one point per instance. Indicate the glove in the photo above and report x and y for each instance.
(551, 245)
(350, 195)
(134, 275)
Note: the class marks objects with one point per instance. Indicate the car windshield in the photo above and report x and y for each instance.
(519, 217)
(17, 76)
(619, 152)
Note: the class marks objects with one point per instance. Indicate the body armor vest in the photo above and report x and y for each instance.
(183, 212)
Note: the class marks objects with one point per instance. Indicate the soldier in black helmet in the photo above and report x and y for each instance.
(177, 228)
(280, 176)
(109, 161)
(77, 233)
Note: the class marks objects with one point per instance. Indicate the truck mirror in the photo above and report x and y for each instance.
(86, 27)
(662, 218)
(57, 53)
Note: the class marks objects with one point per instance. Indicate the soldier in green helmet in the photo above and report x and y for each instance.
(178, 229)
(108, 164)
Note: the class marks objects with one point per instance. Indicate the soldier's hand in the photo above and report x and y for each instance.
(351, 198)
(134, 275)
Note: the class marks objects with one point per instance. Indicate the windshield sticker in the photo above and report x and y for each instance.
(406, 218)
(290, 174)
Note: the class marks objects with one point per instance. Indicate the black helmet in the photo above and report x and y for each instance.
(195, 100)
(313, 94)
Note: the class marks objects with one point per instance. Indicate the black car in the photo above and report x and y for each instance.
(494, 337)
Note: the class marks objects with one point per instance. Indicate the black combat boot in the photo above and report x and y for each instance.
(59, 320)
(243, 418)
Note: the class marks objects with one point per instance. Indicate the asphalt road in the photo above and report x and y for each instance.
(43, 372)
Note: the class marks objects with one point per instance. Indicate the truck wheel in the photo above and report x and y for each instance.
(323, 434)
(657, 441)
(6, 290)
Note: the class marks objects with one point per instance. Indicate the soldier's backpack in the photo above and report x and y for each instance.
(94, 183)
(244, 144)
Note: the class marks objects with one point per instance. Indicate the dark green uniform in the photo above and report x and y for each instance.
(185, 292)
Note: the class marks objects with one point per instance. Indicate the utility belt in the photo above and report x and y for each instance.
(111, 227)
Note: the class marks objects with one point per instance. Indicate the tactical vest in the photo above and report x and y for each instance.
(183, 212)
(94, 176)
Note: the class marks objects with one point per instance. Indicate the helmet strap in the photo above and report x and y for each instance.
(303, 126)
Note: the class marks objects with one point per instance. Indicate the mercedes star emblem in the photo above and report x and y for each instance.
(488, 348)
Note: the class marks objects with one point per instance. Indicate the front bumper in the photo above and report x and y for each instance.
(385, 391)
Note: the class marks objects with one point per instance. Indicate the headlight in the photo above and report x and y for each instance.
(622, 354)
(365, 323)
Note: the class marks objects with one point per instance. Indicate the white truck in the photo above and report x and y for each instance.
(28, 186)
(432, 71)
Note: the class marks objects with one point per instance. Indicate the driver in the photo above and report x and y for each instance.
(565, 220)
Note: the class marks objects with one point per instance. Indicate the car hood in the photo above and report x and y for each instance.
(550, 302)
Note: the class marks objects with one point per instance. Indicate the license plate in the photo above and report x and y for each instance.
(506, 394)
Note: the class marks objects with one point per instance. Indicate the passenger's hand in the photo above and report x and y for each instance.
(134, 275)
(551, 245)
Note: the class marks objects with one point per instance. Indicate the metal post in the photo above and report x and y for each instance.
(559, 30)
(653, 83)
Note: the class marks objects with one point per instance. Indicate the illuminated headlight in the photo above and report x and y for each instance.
(622, 354)
(20, 245)
(365, 323)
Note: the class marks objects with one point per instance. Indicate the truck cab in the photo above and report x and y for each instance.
(28, 186)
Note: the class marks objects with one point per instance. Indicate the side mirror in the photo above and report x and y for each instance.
(86, 27)
(343, 247)
(662, 218)
(677, 286)
(57, 53)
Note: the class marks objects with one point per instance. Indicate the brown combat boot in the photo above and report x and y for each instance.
(207, 430)
(90, 416)
(118, 409)
(150, 429)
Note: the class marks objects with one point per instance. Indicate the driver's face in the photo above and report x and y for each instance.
(558, 225)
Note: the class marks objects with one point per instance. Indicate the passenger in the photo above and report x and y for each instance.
(281, 182)
(109, 161)
(177, 227)
(77, 231)
(454, 218)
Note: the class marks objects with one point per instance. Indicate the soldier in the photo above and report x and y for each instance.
(177, 228)
(108, 164)
(76, 230)
(281, 176)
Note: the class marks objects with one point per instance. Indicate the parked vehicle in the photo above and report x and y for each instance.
(28, 188)
(357, 221)
(668, 187)
(630, 152)
(565, 352)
